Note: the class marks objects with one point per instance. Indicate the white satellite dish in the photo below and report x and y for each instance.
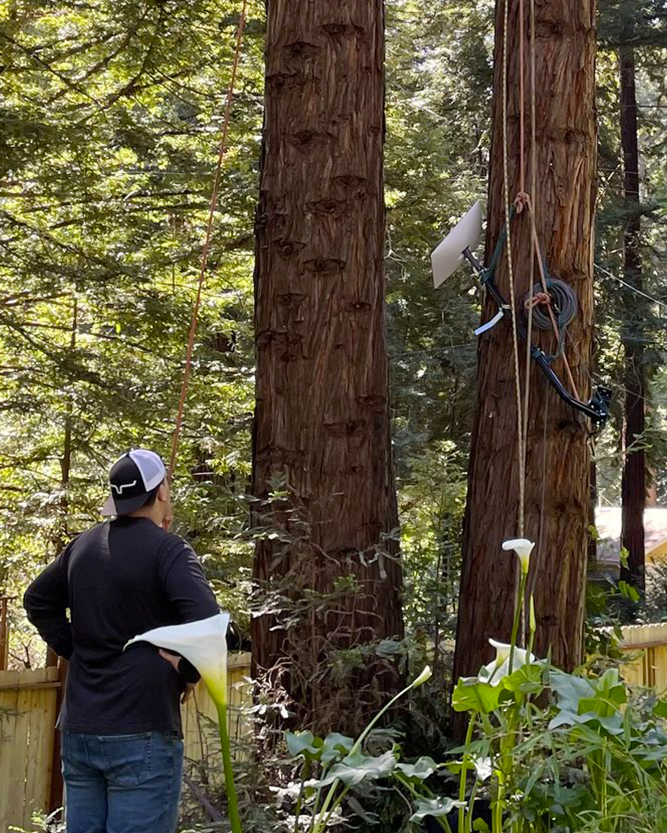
(449, 254)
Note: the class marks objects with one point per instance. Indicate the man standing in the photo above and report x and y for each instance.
(122, 751)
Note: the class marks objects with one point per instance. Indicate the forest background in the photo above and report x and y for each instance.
(111, 116)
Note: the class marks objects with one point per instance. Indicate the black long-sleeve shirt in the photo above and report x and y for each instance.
(118, 579)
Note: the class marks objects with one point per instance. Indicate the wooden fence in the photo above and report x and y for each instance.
(647, 647)
(200, 717)
(27, 720)
(28, 703)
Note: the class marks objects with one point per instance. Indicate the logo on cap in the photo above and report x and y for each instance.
(119, 489)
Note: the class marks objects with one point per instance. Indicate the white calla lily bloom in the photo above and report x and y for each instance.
(203, 643)
(503, 650)
(523, 548)
(425, 675)
(499, 667)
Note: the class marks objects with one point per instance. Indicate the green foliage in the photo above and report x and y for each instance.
(590, 757)
(112, 119)
(438, 119)
(112, 116)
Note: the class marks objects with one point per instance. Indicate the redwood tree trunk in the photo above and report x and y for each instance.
(328, 556)
(633, 484)
(592, 507)
(564, 205)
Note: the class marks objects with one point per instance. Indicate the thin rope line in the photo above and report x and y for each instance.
(515, 337)
(522, 117)
(533, 221)
(531, 205)
(207, 244)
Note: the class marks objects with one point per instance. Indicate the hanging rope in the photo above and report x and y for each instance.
(529, 338)
(554, 323)
(532, 204)
(222, 150)
(521, 198)
(522, 119)
(533, 190)
(515, 336)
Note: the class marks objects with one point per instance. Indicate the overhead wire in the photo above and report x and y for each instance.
(630, 286)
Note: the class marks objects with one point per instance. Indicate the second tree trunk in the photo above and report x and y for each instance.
(558, 459)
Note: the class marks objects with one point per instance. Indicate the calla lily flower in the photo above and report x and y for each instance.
(425, 675)
(503, 650)
(499, 668)
(204, 644)
(523, 548)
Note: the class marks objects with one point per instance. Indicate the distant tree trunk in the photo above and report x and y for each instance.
(62, 539)
(61, 535)
(328, 555)
(633, 484)
(564, 204)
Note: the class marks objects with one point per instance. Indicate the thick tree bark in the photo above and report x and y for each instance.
(322, 414)
(592, 508)
(633, 484)
(564, 206)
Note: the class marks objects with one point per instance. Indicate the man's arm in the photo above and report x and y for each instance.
(185, 584)
(190, 594)
(46, 602)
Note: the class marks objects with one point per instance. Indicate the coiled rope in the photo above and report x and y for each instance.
(560, 297)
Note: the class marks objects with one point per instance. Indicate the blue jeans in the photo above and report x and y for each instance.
(122, 783)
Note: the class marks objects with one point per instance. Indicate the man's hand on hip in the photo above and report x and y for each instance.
(174, 661)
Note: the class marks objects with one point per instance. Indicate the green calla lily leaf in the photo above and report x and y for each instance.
(612, 724)
(303, 743)
(358, 767)
(470, 695)
(421, 769)
(570, 690)
(335, 747)
(436, 807)
(527, 679)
